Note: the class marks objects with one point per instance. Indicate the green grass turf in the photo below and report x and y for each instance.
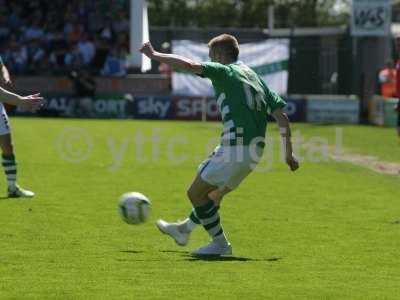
(368, 140)
(328, 231)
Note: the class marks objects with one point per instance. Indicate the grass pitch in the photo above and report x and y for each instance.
(329, 231)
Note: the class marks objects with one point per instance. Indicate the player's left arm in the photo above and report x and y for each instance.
(175, 61)
(31, 102)
(284, 127)
(5, 75)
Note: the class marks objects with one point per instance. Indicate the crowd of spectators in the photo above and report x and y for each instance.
(58, 36)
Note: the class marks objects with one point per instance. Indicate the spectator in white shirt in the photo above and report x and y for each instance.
(107, 32)
(87, 49)
(116, 63)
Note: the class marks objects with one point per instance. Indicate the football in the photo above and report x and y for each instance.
(134, 207)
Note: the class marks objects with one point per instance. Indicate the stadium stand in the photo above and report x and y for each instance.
(54, 37)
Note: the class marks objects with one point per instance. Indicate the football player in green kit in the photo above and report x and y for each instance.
(244, 100)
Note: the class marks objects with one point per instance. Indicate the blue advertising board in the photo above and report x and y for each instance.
(295, 108)
(149, 107)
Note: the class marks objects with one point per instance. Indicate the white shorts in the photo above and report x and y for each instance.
(227, 166)
(4, 123)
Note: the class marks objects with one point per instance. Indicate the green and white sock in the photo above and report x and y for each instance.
(209, 218)
(191, 222)
(10, 169)
(193, 218)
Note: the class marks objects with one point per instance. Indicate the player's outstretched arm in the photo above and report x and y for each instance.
(284, 127)
(175, 61)
(31, 102)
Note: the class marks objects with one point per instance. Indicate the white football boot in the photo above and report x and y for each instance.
(214, 249)
(18, 192)
(172, 229)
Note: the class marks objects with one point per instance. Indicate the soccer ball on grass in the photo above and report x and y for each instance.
(134, 207)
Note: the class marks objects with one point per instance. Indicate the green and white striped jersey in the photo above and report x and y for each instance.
(244, 100)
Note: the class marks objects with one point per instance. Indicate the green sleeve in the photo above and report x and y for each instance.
(214, 71)
(274, 101)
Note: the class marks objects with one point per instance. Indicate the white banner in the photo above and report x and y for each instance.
(270, 59)
(371, 17)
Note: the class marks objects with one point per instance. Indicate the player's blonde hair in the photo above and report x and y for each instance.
(227, 44)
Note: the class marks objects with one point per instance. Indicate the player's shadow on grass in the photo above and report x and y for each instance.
(217, 258)
(227, 258)
(131, 251)
(174, 251)
(188, 257)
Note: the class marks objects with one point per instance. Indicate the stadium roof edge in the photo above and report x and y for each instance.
(307, 31)
(282, 32)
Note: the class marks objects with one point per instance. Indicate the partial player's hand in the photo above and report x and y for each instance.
(31, 103)
(292, 162)
(147, 49)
